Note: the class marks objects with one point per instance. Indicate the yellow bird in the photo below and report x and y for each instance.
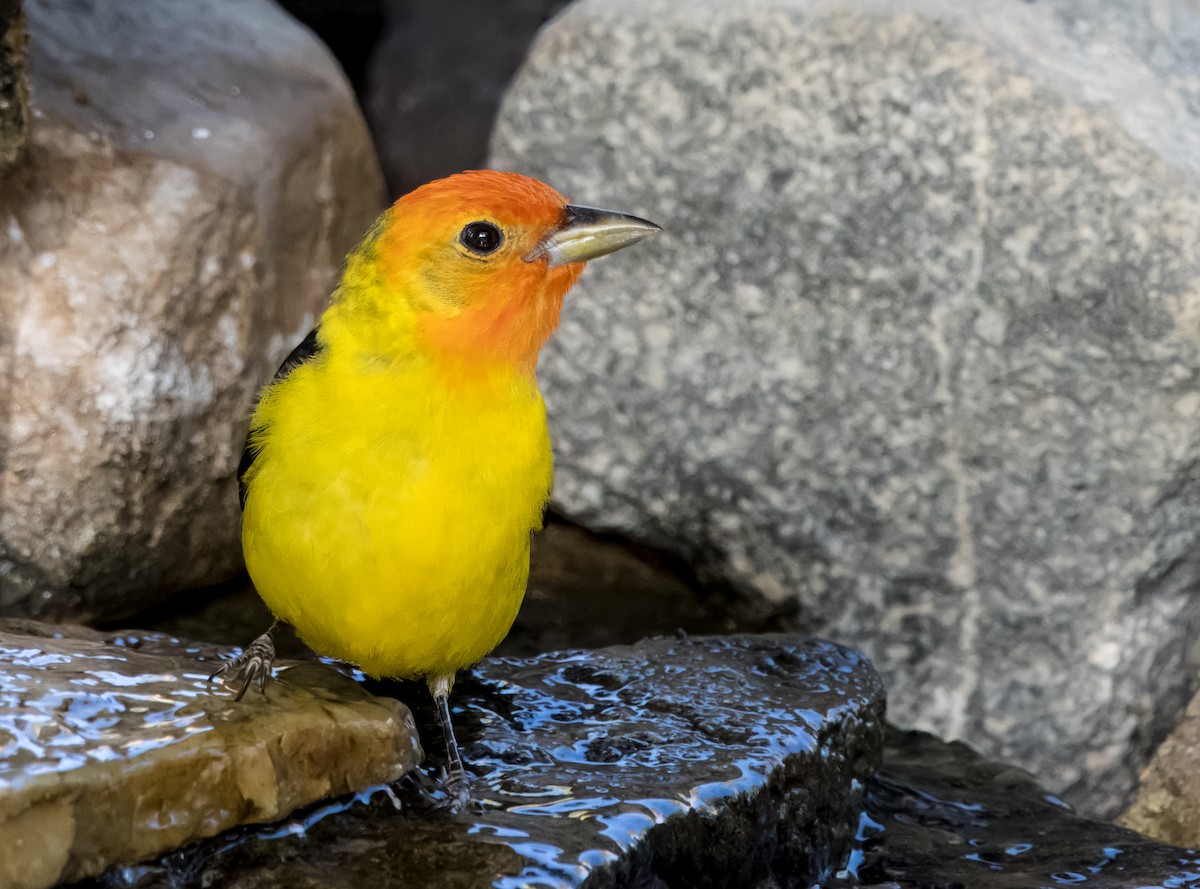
(400, 461)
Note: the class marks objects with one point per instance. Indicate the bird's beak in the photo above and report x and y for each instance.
(586, 233)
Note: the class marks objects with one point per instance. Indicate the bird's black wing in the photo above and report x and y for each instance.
(306, 351)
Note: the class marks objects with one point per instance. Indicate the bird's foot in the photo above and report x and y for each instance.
(457, 787)
(437, 791)
(252, 665)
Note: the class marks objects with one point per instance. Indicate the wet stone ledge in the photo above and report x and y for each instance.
(115, 748)
(940, 816)
(685, 762)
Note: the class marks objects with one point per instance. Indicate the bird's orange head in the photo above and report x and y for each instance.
(474, 267)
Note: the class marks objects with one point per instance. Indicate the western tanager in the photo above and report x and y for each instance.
(399, 462)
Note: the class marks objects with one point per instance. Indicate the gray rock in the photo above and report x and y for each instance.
(687, 762)
(921, 348)
(194, 176)
(114, 748)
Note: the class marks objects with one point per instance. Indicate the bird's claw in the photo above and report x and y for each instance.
(457, 787)
(437, 791)
(254, 664)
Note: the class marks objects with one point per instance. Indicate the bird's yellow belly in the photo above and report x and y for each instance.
(404, 552)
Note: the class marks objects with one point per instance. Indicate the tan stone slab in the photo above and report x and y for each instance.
(116, 748)
(1167, 805)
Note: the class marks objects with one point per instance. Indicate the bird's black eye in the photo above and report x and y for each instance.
(481, 237)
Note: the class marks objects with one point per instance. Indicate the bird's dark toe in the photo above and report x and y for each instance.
(458, 792)
(252, 665)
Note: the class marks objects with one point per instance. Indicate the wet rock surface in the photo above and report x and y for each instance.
(115, 747)
(939, 816)
(919, 349)
(688, 762)
(193, 177)
(1167, 805)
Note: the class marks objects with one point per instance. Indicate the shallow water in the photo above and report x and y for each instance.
(113, 748)
(56, 720)
(679, 757)
(937, 816)
(585, 760)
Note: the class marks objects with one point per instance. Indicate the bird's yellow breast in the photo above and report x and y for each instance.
(389, 510)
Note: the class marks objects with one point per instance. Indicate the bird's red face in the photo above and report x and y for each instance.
(485, 259)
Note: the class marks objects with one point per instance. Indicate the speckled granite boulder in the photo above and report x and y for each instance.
(115, 748)
(921, 348)
(194, 175)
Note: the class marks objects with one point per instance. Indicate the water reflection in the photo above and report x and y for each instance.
(93, 705)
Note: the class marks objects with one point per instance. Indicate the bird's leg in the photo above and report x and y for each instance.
(458, 785)
(254, 663)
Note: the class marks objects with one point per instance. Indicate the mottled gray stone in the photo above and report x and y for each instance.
(194, 176)
(921, 348)
(698, 762)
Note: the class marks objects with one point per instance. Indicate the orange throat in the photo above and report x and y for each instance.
(497, 333)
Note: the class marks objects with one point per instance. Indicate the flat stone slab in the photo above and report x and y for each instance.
(699, 761)
(115, 748)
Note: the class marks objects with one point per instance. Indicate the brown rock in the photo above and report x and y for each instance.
(1167, 805)
(116, 748)
(14, 94)
(196, 173)
(590, 591)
